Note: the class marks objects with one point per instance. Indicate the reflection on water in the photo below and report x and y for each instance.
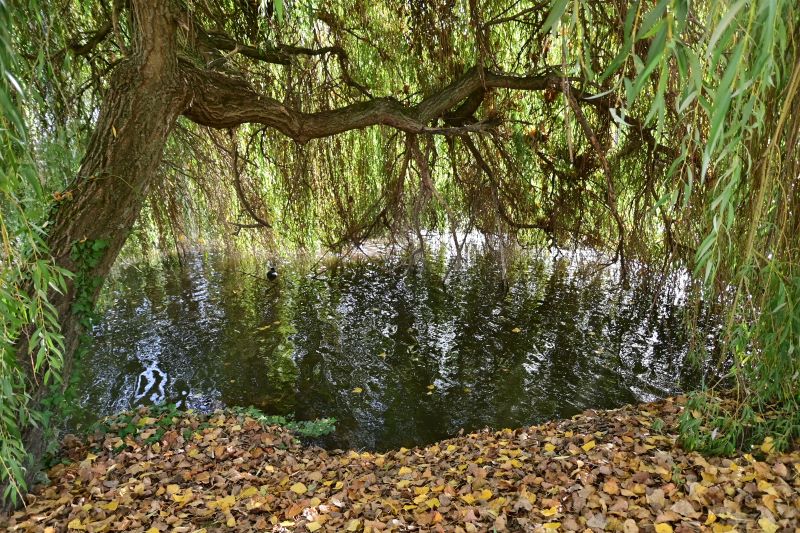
(434, 348)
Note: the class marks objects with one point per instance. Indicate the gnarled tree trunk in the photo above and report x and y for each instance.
(144, 99)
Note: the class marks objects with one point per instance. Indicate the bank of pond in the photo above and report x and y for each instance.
(158, 469)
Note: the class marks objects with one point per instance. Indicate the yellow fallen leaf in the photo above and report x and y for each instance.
(663, 528)
(353, 525)
(404, 471)
(76, 524)
(230, 521)
(358, 390)
(111, 506)
(433, 502)
(516, 330)
(549, 447)
(468, 499)
(222, 503)
(768, 445)
(313, 526)
(551, 525)
(431, 387)
(249, 492)
(298, 488)
(767, 525)
(588, 446)
(765, 486)
(153, 530)
(711, 518)
(173, 489)
(549, 512)
(183, 498)
(486, 494)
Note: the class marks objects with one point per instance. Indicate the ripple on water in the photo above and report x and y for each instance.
(435, 348)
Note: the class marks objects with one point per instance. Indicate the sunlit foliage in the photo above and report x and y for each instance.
(26, 273)
(721, 82)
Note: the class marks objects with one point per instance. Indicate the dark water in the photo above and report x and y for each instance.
(435, 347)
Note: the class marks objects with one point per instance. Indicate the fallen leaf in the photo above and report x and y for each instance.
(298, 488)
(767, 525)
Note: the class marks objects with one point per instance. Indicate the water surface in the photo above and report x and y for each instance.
(434, 348)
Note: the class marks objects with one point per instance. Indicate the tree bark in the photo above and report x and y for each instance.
(145, 97)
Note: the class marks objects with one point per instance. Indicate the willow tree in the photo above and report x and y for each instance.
(566, 119)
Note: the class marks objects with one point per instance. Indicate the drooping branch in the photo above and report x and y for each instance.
(237, 183)
(541, 224)
(82, 49)
(611, 195)
(220, 101)
(278, 55)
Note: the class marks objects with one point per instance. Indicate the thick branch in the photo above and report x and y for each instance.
(97, 37)
(226, 44)
(220, 101)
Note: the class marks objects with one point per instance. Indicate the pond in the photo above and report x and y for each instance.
(399, 354)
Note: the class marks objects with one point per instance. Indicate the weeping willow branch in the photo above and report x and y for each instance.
(611, 196)
(220, 101)
(237, 183)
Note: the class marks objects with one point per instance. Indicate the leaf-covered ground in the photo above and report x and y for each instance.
(615, 470)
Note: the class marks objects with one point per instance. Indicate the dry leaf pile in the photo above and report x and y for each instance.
(600, 471)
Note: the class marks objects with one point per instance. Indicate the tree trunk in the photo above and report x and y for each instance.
(146, 95)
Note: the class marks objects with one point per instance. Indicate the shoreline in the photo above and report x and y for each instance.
(615, 470)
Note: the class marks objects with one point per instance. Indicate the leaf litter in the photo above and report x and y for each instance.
(599, 471)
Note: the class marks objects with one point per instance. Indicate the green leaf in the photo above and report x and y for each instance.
(557, 9)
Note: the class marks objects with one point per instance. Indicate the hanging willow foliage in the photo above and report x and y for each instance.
(721, 83)
(26, 277)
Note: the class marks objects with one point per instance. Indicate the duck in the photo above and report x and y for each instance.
(272, 275)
